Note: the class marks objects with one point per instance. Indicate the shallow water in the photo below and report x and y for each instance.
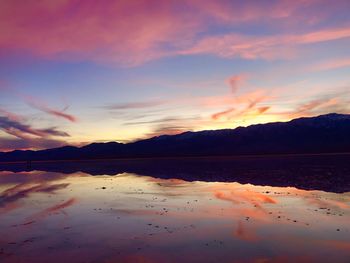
(56, 217)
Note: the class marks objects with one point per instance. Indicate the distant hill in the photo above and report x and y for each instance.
(328, 133)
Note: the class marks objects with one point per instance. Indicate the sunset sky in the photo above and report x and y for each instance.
(75, 72)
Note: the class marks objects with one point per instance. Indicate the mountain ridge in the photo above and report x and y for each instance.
(321, 134)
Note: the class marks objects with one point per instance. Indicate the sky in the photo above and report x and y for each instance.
(75, 72)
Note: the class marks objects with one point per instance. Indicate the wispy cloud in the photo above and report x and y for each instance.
(163, 120)
(262, 47)
(313, 106)
(220, 114)
(135, 105)
(168, 130)
(244, 104)
(22, 130)
(236, 81)
(26, 136)
(331, 64)
(54, 112)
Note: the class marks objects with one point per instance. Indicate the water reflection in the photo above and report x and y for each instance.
(329, 173)
(56, 217)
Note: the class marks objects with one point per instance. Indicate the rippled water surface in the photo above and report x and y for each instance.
(77, 217)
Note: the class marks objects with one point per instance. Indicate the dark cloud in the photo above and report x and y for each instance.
(8, 144)
(53, 132)
(170, 125)
(27, 136)
(9, 126)
(21, 130)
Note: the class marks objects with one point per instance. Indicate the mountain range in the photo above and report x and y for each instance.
(328, 133)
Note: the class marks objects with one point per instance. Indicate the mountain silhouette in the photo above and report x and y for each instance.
(328, 133)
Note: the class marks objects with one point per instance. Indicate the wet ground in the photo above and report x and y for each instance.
(129, 217)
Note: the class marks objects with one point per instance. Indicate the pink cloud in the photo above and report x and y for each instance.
(309, 107)
(127, 32)
(282, 46)
(43, 107)
(236, 81)
(321, 36)
(134, 32)
(331, 64)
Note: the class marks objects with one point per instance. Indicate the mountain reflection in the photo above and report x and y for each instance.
(318, 172)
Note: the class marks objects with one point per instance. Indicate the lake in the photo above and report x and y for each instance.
(248, 209)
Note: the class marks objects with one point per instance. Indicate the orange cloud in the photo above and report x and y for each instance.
(261, 110)
(246, 104)
(220, 114)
